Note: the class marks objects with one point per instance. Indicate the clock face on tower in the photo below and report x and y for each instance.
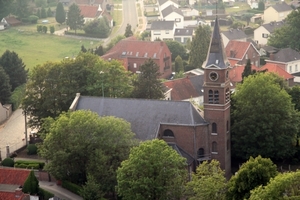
(213, 76)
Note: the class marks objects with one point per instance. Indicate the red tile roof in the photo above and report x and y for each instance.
(271, 67)
(10, 196)
(235, 73)
(238, 48)
(13, 176)
(88, 2)
(181, 89)
(131, 47)
(89, 11)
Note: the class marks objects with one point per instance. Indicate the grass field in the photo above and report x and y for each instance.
(37, 48)
(238, 7)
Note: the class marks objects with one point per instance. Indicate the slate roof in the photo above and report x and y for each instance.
(239, 49)
(131, 47)
(286, 55)
(272, 26)
(144, 115)
(271, 67)
(235, 34)
(162, 25)
(180, 151)
(161, 2)
(183, 32)
(89, 11)
(270, 49)
(184, 88)
(282, 7)
(13, 176)
(170, 9)
(216, 55)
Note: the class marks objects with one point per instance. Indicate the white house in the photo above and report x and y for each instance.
(2, 26)
(277, 12)
(182, 35)
(163, 30)
(262, 33)
(90, 12)
(233, 34)
(171, 13)
(162, 4)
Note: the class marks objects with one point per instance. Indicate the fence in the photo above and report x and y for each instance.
(5, 151)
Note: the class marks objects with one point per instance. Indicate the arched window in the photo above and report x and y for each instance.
(227, 126)
(227, 95)
(210, 96)
(214, 147)
(200, 153)
(168, 133)
(214, 128)
(216, 97)
(228, 144)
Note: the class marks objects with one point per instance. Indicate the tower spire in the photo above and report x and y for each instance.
(216, 55)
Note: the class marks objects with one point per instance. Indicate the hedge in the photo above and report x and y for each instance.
(30, 163)
(27, 166)
(44, 194)
(83, 34)
(71, 187)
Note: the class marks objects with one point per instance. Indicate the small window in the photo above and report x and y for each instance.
(177, 20)
(264, 35)
(246, 56)
(210, 96)
(200, 153)
(214, 128)
(134, 65)
(168, 133)
(227, 126)
(290, 69)
(167, 32)
(296, 67)
(216, 97)
(214, 148)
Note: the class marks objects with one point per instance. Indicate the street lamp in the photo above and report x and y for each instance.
(102, 83)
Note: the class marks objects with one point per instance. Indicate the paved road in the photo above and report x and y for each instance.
(12, 133)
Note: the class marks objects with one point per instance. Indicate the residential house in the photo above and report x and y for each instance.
(10, 181)
(162, 4)
(90, 12)
(11, 21)
(133, 53)
(277, 12)
(262, 33)
(186, 89)
(183, 35)
(108, 17)
(239, 52)
(65, 2)
(233, 34)
(5, 112)
(171, 13)
(288, 59)
(189, 12)
(2, 26)
(163, 30)
(267, 50)
(198, 135)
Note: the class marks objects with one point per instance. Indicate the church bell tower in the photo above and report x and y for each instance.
(217, 100)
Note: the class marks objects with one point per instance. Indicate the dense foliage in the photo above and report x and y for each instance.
(176, 49)
(75, 20)
(264, 118)
(31, 185)
(128, 31)
(97, 27)
(60, 15)
(5, 87)
(153, 171)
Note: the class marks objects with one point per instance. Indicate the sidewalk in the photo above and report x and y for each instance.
(59, 191)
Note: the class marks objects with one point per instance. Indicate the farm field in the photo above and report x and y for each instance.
(37, 48)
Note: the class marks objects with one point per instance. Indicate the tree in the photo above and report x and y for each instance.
(153, 171)
(253, 173)
(45, 29)
(60, 15)
(178, 64)
(128, 31)
(199, 46)
(43, 13)
(295, 94)
(147, 85)
(247, 17)
(97, 27)
(208, 182)
(75, 19)
(31, 184)
(99, 50)
(261, 5)
(83, 49)
(176, 49)
(52, 29)
(5, 87)
(14, 68)
(288, 34)
(265, 121)
(283, 186)
(86, 143)
(247, 70)
(49, 12)
(90, 191)
(20, 8)
(5, 8)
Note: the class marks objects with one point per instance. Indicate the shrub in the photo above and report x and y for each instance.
(31, 149)
(8, 162)
(39, 28)
(31, 184)
(45, 29)
(52, 29)
(71, 187)
(33, 19)
(45, 194)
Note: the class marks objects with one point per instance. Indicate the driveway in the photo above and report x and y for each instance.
(58, 191)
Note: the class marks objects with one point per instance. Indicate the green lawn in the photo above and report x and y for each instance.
(238, 7)
(37, 48)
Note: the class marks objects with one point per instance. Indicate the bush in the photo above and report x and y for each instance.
(71, 187)
(45, 29)
(31, 149)
(29, 164)
(39, 28)
(33, 19)
(8, 162)
(52, 29)
(17, 96)
(44, 194)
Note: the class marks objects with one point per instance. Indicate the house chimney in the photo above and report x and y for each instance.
(231, 53)
(18, 192)
(272, 56)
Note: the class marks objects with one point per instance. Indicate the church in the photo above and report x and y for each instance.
(197, 135)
